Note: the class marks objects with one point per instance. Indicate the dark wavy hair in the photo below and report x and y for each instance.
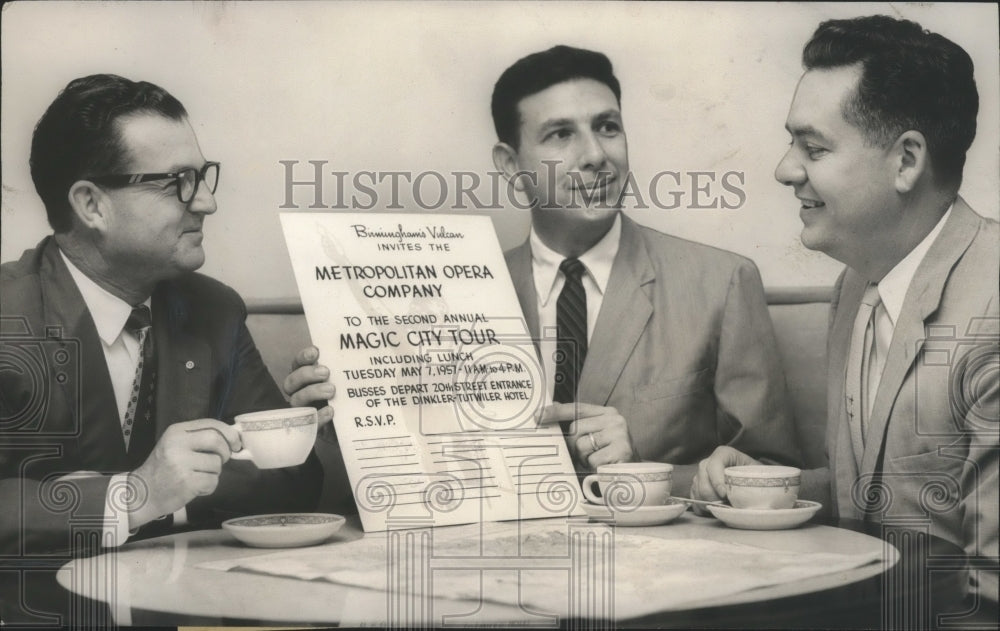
(77, 136)
(911, 79)
(538, 71)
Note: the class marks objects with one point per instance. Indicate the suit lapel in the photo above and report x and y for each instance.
(90, 398)
(844, 458)
(519, 264)
(183, 382)
(625, 310)
(922, 300)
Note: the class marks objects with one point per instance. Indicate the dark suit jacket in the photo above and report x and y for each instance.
(683, 348)
(933, 429)
(59, 414)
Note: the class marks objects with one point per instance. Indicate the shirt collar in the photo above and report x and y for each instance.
(893, 286)
(597, 260)
(108, 311)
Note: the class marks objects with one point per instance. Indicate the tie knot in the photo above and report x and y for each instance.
(572, 268)
(139, 319)
(871, 297)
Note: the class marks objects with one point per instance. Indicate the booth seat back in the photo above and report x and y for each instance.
(800, 320)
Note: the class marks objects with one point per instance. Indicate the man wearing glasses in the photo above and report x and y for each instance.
(129, 366)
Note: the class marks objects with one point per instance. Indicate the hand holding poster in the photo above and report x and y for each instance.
(438, 381)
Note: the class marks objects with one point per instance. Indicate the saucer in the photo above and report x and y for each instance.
(284, 530)
(766, 518)
(639, 516)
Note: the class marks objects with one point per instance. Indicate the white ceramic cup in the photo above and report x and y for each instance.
(277, 438)
(630, 484)
(762, 486)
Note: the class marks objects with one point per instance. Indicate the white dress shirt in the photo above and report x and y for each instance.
(549, 282)
(121, 347)
(121, 354)
(892, 292)
(894, 285)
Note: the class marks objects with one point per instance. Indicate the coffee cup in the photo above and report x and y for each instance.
(762, 486)
(276, 438)
(630, 484)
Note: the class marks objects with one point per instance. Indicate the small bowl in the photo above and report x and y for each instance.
(284, 530)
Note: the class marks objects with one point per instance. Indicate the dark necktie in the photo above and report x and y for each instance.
(139, 429)
(571, 332)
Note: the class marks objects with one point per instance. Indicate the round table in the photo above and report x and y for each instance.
(156, 582)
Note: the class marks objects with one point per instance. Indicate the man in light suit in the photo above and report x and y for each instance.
(82, 466)
(880, 123)
(679, 352)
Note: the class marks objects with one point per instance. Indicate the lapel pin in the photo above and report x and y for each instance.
(189, 364)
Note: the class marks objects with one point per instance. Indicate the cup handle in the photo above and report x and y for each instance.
(242, 454)
(588, 489)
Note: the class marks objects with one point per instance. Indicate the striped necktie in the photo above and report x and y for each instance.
(139, 428)
(878, 337)
(857, 387)
(571, 331)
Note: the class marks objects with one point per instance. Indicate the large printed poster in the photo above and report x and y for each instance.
(439, 384)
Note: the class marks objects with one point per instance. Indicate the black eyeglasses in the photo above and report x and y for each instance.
(187, 180)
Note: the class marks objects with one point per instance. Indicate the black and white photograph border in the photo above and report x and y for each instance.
(372, 107)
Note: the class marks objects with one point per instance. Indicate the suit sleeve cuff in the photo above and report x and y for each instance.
(116, 531)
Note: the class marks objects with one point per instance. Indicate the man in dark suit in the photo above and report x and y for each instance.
(670, 347)
(880, 123)
(123, 367)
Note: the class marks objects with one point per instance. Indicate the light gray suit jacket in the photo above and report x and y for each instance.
(683, 349)
(934, 428)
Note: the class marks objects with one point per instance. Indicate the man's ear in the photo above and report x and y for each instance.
(505, 160)
(910, 159)
(90, 204)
